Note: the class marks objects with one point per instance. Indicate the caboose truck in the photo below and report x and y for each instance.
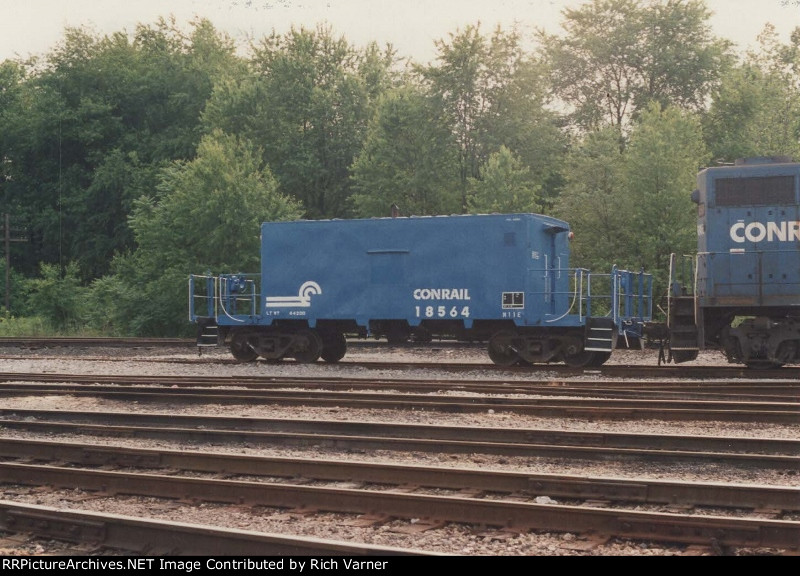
(741, 292)
(503, 279)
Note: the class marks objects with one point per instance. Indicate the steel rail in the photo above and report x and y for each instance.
(785, 393)
(618, 370)
(639, 490)
(161, 537)
(497, 513)
(613, 408)
(345, 435)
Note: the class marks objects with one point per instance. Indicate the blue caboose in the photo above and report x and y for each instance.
(743, 296)
(502, 278)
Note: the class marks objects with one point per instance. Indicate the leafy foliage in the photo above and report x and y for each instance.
(133, 160)
(60, 299)
(490, 94)
(505, 187)
(618, 55)
(86, 132)
(756, 110)
(407, 160)
(207, 216)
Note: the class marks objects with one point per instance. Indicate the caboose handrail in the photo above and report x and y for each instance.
(209, 296)
(578, 287)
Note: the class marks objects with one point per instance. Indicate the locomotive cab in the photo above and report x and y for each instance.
(743, 294)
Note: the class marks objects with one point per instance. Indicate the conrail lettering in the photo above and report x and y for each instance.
(441, 294)
(771, 231)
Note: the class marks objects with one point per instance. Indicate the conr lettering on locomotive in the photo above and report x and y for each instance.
(786, 231)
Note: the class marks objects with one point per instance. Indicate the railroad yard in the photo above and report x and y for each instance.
(151, 448)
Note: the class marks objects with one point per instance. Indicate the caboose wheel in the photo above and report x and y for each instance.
(762, 364)
(580, 360)
(306, 347)
(334, 346)
(241, 350)
(502, 348)
(599, 359)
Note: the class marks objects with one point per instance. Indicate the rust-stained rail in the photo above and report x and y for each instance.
(159, 537)
(741, 391)
(345, 435)
(637, 490)
(498, 513)
(584, 407)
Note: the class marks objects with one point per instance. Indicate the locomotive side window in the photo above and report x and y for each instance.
(761, 191)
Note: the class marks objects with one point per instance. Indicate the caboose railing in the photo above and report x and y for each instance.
(234, 296)
(623, 295)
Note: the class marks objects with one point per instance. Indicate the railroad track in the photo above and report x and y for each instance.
(375, 436)
(591, 402)
(612, 370)
(745, 390)
(419, 497)
(720, 373)
(95, 533)
(409, 492)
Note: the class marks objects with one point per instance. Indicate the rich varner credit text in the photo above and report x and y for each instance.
(192, 565)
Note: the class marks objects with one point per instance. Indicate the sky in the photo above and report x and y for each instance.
(34, 27)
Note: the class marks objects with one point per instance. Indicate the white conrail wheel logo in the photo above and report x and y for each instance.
(302, 299)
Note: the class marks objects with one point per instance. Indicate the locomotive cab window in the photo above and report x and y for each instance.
(758, 191)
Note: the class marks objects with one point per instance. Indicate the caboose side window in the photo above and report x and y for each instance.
(760, 191)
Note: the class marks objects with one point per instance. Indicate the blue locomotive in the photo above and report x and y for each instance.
(503, 279)
(741, 292)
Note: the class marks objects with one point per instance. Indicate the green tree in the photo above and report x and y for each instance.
(756, 109)
(206, 217)
(594, 201)
(504, 188)
(665, 152)
(631, 207)
(407, 160)
(91, 125)
(58, 298)
(619, 55)
(307, 103)
(493, 94)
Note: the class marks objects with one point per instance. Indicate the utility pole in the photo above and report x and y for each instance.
(8, 240)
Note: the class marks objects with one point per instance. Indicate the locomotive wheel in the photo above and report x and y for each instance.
(334, 346)
(241, 350)
(306, 347)
(502, 350)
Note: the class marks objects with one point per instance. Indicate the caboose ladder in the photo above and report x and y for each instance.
(599, 334)
(207, 333)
